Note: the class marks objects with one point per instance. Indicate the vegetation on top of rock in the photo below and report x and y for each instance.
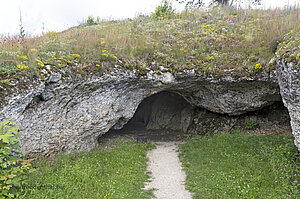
(217, 41)
(289, 48)
(199, 3)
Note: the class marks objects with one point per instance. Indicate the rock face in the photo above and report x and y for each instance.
(289, 82)
(70, 115)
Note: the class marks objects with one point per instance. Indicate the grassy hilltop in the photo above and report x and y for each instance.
(217, 41)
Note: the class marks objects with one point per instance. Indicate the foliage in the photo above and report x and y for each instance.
(119, 172)
(251, 125)
(242, 166)
(164, 10)
(12, 167)
(91, 21)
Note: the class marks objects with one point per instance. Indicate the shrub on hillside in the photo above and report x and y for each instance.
(164, 10)
(12, 167)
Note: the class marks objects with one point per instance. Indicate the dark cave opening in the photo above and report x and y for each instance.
(165, 113)
(168, 116)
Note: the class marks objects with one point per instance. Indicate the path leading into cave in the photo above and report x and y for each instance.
(167, 176)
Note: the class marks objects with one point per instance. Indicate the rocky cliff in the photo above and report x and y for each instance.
(70, 115)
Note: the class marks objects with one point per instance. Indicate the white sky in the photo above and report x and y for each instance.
(58, 15)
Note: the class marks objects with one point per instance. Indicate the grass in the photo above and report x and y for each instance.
(221, 166)
(116, 173)
(242, 166)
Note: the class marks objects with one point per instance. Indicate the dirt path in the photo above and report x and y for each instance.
(166, 172)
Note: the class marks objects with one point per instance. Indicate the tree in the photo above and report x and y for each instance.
(199, 3)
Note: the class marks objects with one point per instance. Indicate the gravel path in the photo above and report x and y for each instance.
(166, 172)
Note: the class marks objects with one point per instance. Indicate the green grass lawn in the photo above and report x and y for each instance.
(116, 173)
(241, 166)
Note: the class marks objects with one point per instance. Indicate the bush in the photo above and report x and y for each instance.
(12, 167)
(164, 10)
(90, 21)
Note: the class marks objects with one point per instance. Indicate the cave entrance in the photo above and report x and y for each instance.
(167, 116)
(162, 116)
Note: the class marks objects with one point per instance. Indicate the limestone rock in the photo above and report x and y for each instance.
(70, 115)
(289, 82)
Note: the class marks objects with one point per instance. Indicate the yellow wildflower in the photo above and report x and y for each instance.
(20, 66)
(40, 63)
(115, 57)
(97, 65)
(102, 42)
(33, 50)
(204, 25)
(22, 57)
(105, 55)
(258, 66)
(223, 36)
(298, 56)
(76, 56)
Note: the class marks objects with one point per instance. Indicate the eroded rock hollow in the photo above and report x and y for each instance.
(164, 110)
(162, 116)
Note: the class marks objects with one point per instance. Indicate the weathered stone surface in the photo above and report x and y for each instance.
(70, 115)
(289, 82)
